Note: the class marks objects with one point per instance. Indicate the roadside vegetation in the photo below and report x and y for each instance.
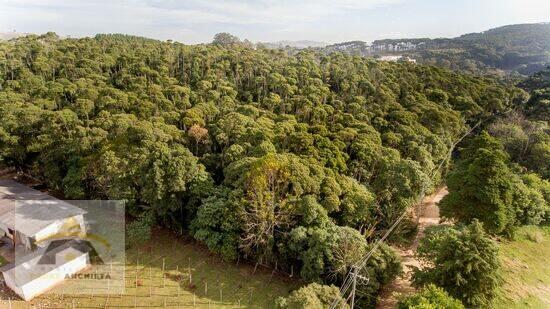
(498, 185)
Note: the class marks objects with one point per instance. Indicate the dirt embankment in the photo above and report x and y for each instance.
(402, 285)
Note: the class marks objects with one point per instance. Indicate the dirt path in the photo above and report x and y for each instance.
(402, 285)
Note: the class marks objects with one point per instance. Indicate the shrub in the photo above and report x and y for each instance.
(382, 267)
(431, 297)
(217, 224)
(463, 261)
(139, 230)
(314, 295)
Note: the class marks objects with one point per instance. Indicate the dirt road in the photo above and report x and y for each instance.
(402, 285)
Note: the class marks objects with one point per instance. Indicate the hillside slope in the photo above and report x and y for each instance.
(517, 49)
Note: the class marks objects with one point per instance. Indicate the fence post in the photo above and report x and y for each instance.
(189, 261)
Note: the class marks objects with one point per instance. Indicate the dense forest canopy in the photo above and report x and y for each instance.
(286, 159)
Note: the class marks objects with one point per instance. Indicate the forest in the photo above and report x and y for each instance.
(513, 50)
(299, 160)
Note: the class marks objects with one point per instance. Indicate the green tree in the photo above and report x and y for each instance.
(313, 295)
(430, 297)
(218, 225)
(464, 262)
(224, 39)
(480, 187)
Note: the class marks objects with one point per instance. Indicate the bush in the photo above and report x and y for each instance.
(431, 297)
(314, 295)
(463, 261)
(139, 231)
(534, 236)
(537, 210)
(217, 224)
(383, 267)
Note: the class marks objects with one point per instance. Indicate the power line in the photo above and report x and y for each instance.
(351, 278)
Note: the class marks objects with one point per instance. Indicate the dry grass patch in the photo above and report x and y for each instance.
(526, 270)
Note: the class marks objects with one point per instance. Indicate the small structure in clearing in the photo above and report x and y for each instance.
(40, 227)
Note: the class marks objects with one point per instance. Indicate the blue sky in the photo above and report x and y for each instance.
(193, 21)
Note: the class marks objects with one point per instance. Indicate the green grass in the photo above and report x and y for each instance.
(3, 261)
(526, 270)
(239, 284)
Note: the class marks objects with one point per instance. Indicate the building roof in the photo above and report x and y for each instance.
(29, 211)
(45, 260)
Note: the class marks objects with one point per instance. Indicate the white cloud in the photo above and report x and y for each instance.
(190, 20)
(191, 11)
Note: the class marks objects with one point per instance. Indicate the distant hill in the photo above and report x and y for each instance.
(538, 86)
(293, 44)
(514, 49)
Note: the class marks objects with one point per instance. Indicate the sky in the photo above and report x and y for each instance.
(331, 21)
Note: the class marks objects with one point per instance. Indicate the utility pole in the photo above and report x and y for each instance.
(353, 286)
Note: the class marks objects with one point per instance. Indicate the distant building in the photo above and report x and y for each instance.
(408, 59)
(395, 58)
(390, 58)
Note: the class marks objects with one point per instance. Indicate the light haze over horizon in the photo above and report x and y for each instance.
(195, 21)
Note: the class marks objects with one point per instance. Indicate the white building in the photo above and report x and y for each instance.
(40, 270)
(30, 217)
(45, 233)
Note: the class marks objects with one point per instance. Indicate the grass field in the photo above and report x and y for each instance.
(526, 270)
(214, 283)
(3, 261)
